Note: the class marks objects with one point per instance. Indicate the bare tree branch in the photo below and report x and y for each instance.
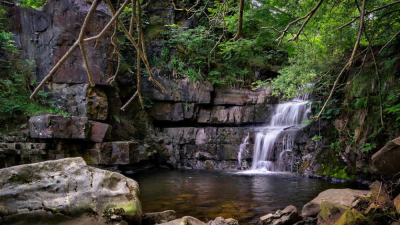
(295, 38)
(311, 13)
(130, 38)
(390, 41)
(240, 24)
(349, 63)
(368, 12)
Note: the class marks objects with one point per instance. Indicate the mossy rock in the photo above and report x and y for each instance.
(352, 217)
(330, 212)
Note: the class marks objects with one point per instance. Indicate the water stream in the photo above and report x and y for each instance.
(274, 143)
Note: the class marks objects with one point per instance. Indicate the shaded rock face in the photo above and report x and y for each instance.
(200, 103)
(68, 187)
(81, 100)
(344, 197)
(386, 159)
(205, 148)
(47, 34)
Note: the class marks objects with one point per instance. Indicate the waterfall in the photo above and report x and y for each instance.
(242, 147)
(274, 143)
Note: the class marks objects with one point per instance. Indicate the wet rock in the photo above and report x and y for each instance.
(285, 217)
(330, 213)
(158, 217)
(385, 159)
(343, 197)
(64, 127)
(81, 100)
(186, 220)
(222, 221)
(48, 38)
(66, 187)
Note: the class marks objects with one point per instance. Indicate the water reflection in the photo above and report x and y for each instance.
(208, 194)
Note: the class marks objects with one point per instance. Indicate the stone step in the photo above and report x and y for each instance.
(24, 146)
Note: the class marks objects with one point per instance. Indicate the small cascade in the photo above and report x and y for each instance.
(274, 143)
(242, 148)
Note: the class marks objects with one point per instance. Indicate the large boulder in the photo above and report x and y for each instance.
(282, 217)
(343, 197)
(386, 159)
(66, 187)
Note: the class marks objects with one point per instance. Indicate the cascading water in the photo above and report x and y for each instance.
(242, 147)
(274, 143)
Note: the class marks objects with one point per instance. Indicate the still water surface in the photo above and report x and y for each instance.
(207, 194)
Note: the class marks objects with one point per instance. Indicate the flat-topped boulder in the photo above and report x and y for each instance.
(386, 159)
(343, 197)
(66, 187)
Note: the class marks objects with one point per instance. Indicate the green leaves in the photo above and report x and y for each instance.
(16, 76)
(368, 147)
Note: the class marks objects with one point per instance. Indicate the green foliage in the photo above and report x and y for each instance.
(36, 4)
(316, 138)
(367, 147)
(201, 55)
(15, 82)
(336, 146)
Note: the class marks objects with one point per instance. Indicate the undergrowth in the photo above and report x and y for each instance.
(16, 81)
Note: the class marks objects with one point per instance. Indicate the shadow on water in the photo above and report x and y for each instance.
(208, 194)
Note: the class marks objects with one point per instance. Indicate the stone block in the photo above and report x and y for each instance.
(243, 96)
(81, 100)
(184, 90)
(99, 131)
(121, 153)
(63, 127)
